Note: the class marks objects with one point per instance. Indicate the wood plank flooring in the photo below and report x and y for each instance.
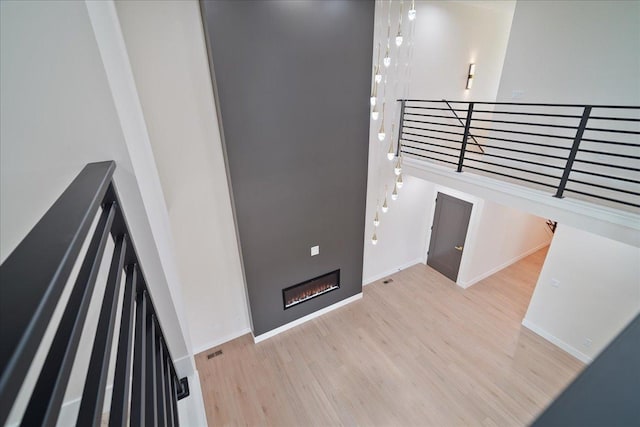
(417, 351)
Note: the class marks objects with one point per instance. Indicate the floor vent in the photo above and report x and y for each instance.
(387, 281)
(214, 354)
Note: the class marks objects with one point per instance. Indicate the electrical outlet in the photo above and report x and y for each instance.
(315, 250)
(555, 283)
(587, 343)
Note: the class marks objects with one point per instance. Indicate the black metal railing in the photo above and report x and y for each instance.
(589, 152)
(146, 387)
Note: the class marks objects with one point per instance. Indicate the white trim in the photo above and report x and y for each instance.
(276, 331)
(384, 274)
(221, 340)
(502, 266)
(557, 341)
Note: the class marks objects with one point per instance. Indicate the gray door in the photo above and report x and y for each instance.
(450, 223)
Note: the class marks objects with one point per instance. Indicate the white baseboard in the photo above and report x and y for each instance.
(306, 318)
(505, 264)
(557, 341)
(220, 340)
(384, 274)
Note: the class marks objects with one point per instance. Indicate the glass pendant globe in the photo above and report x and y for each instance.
(399, 182)
(394, 196)
(397, 170)
(376, 222)
(374, 114)
(412, 14)
(386, 61)
(381, 136)
(373, 100)
(399, 40)
(374, 239)
(390, 155)
(385, 207)
(378, 78)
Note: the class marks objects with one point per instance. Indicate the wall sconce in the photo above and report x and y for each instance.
(472, 71)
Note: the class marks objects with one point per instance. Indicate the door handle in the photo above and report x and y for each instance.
(458, 248)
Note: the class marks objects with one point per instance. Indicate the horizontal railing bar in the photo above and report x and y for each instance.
(435, 108)
(430, 143)
(602, 141)
(431, 151)
(515, 141)
(432, 130)
(28, 295)
(624, 119)
(511, 176)
(523, 133)
(432, 123)
(438, 116)
(515, 113)
(524, 161)
(604, 153)
(620, 190)
(612, 165)
(515, 150)
(47, 396)
(616, 178)
(525, 123)
(513, 168)
(90, 412)
(431, 158)
(626, 107)
(627, 132)
(602, 197)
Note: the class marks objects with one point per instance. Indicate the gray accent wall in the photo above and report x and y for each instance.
(292, 83)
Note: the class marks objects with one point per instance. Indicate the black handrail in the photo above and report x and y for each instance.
(32, 280)
(607, 163)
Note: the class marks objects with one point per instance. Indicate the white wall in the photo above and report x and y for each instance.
(585, 52)
(168, 55)
(447, 37)
(598, 292)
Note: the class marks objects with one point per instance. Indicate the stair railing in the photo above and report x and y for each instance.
(146, 387)
(590, 152)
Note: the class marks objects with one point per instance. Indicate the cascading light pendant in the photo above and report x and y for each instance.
(398, 169)
(374, 239)
(374, 94)
(377, 73)
(374, 113)
(385, 206)
(412, 12)
(391, 153)
(387, 59)
(376, 220)
(399, 38)
(399, 181)
(381, 133)
(394, 194)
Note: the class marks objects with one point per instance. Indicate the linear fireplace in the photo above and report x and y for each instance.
(305, 291)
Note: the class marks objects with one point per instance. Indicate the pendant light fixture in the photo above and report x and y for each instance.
(399, 37)
(391, 153)
(376, 220)
(374, 94)
(374, 113)
(374, 239)
(399, 181)
(387, 59)
(412, 12)
(381, 134)
(398, 169)
(378, 74)
(385, 206)
(394, 194)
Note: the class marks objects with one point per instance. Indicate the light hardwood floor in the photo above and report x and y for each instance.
(417, 351)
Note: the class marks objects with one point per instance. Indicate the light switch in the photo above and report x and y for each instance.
(315, 250)
(555, 283)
